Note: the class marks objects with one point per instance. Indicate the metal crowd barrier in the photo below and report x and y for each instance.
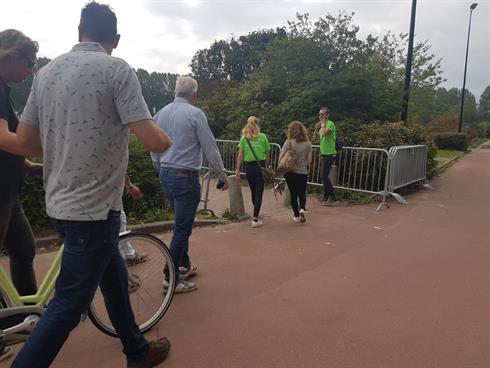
(369, 170)
(229, 150)
(408, 166)
(357, 169)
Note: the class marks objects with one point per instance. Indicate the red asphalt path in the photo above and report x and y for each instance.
(408, 286)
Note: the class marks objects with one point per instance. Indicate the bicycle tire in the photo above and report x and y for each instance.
(145, 279)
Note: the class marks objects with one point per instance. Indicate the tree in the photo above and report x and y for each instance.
(157, 88)
(233, 60)
(484, 105)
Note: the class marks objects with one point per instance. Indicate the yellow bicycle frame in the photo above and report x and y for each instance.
(12, 296)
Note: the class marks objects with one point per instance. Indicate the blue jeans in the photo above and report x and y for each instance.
(90, 257)
(328, 190)
(183, 191)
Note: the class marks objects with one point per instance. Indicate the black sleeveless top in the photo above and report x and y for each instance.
(11, 166)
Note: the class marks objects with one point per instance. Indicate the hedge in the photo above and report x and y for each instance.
(483, 130)
(452, 141)
(386, 135)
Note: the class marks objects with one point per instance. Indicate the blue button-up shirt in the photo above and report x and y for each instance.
(191, 137)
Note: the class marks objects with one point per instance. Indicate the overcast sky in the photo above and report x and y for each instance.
(162, 35)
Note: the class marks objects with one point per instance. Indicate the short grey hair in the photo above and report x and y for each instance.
(185, 86)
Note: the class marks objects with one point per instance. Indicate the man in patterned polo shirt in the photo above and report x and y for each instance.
(81, 108)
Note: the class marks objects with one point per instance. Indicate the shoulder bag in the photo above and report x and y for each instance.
(287, 162)
(268, 173)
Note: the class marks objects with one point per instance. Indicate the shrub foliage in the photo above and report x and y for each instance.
(452, 141)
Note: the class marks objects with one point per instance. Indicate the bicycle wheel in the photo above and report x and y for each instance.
(148, 300)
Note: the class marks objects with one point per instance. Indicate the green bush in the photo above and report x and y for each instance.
(386, 135)
(32, 197)
(228, 215)
(157, 214)
(452, 141)
(152, 206)
(483, 130)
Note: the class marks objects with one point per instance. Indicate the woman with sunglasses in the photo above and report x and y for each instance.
(17, 59)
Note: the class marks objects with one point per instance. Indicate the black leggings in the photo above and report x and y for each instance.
(256, 184)
(16, 235)
(297, 187)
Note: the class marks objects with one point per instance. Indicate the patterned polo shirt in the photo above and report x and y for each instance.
(82, 102)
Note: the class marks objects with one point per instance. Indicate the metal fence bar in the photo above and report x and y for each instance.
(205, 184)
(368, 170)
(369, 158)
(409, 166)
(359, 169)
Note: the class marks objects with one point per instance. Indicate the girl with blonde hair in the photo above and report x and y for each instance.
(254, 150)
(296, 180)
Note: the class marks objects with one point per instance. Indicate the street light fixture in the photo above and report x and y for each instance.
(472, 7)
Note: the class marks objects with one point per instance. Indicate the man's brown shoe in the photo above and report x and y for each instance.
(157, 353)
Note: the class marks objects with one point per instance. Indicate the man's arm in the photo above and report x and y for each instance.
(29, 140)
(322, 126)
(34, 169)
(239, 161)
(132, 189)
(324, 131)
(8, 140)
(152, 137)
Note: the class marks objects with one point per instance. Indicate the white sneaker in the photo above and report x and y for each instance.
(297, 219)
(182, 286)
(256, 223)
(302, 215)
(185, 273)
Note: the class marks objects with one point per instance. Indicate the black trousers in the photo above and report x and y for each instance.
(255, 183)
(327, 162)
(297, 187)
(16, 235)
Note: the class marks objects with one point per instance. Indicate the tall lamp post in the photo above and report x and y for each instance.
(408, 68)
(472, 7)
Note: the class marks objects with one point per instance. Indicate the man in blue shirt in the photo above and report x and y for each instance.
(179, 168)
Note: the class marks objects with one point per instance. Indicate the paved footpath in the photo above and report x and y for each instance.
(404, 287)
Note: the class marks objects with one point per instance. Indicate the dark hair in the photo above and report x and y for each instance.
(98, 22)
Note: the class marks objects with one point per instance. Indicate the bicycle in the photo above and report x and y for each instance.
(20, 314)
